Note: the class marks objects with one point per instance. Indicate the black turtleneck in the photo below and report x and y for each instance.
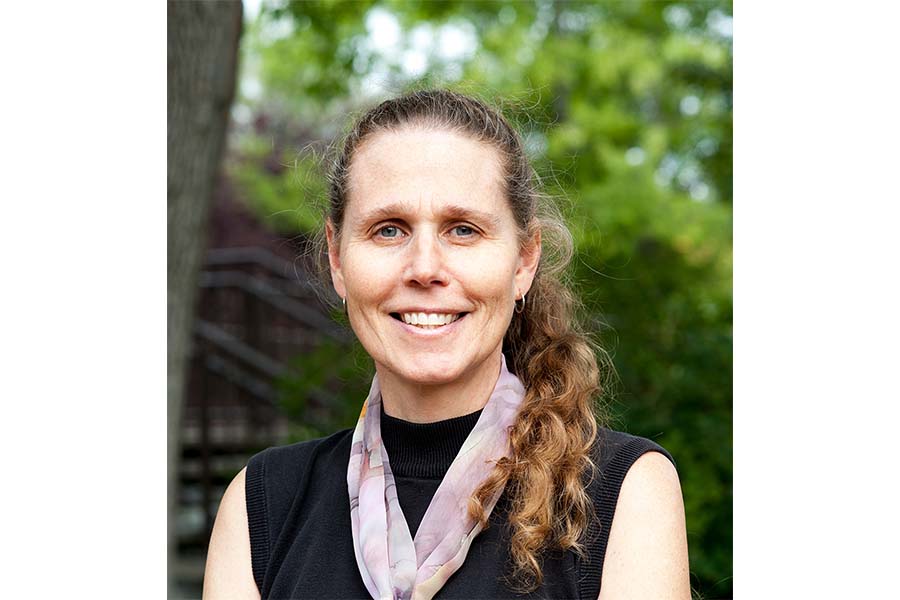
(419, 455)
(298, 512)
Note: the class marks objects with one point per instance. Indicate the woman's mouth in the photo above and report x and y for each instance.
(428, 320)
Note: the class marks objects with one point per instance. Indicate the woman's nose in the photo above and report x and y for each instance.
(426, 264)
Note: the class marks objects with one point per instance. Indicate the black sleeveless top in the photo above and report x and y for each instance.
(299, 514)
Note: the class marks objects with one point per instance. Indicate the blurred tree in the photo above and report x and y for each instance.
(626, 110)
(202, 66)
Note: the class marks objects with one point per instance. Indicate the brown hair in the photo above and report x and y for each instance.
(552, 437)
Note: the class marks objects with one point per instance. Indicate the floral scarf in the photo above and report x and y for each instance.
(393, 565)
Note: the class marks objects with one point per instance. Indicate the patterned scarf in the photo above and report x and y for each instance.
(392, 565)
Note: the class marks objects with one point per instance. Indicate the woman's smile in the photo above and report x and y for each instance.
(429, 324)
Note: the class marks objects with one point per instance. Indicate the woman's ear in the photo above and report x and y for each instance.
(334, 260)
(529, 259)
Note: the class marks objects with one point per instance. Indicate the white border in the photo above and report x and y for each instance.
(84, 337)
(815, 300)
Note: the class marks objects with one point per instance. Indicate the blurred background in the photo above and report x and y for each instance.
(626, 109)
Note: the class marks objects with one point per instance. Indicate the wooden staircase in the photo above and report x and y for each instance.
(255, 312)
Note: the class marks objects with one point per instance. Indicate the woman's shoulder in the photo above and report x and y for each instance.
(617, 450)
(278, 473)
(628, 466)
(287, 457)
(641, 521)
(614, 454)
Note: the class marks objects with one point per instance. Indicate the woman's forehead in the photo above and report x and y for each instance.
(423, 168)
(431, 143)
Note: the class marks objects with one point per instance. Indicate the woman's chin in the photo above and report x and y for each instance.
(439, 371)
(430, 377)
(431, 372)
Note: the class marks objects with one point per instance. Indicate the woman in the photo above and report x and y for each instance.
(476, 469)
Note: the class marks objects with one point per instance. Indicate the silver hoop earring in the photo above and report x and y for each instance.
(520, 309)
(344, 302)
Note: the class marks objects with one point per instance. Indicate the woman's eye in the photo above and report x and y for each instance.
(389, 231)
(463, 230)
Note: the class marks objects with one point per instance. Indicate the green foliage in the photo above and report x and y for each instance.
(332, 370)
(626, 110)
(276, 191)
(308, 50)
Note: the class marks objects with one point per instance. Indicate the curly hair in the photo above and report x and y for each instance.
(552, 437)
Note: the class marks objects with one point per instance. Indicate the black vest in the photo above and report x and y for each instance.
(299, 514)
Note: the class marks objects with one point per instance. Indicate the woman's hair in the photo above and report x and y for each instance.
(552, 437)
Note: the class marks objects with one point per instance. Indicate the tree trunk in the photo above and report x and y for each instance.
(202, 67)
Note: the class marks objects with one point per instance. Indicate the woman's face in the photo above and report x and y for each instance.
(428, 233)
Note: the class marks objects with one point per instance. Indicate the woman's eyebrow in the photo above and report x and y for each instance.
(453, 211)
(471, 214)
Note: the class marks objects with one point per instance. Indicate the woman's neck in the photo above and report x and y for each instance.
(421, 403)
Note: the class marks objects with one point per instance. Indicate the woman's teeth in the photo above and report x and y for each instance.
(428, 321)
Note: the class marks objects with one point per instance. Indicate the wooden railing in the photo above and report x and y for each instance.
(255, 312)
